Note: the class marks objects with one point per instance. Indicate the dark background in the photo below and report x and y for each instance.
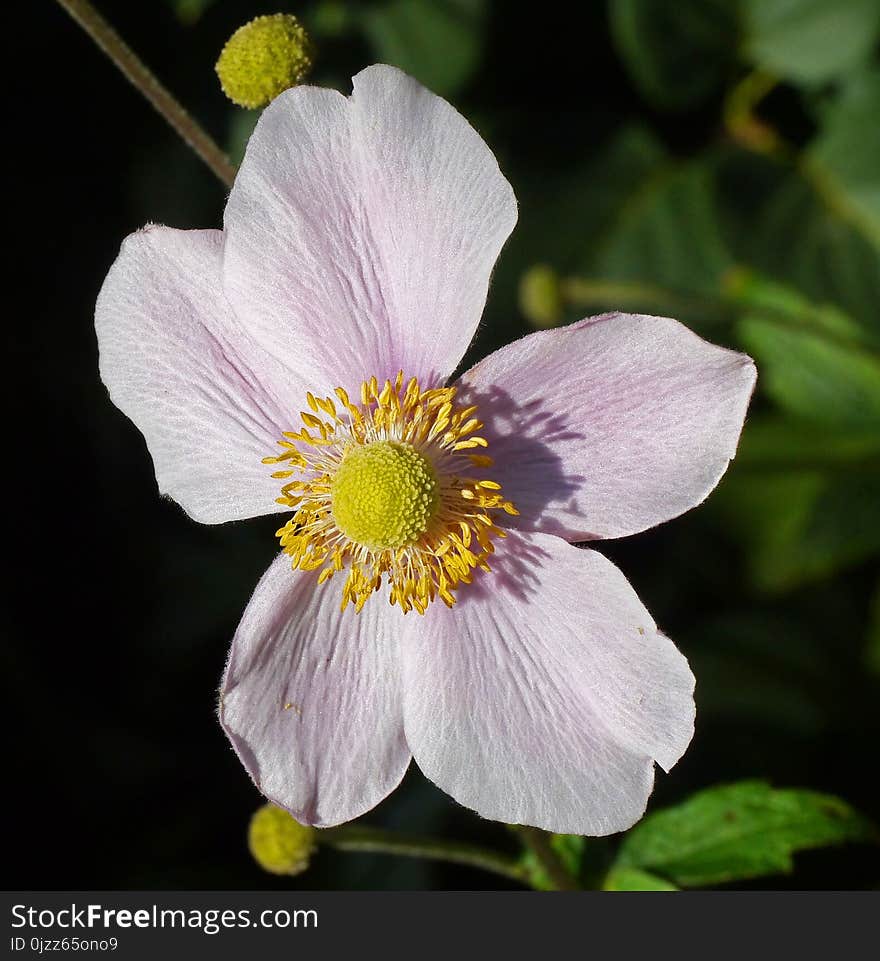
(121, 609)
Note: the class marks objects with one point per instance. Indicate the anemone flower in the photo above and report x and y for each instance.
(429, 600)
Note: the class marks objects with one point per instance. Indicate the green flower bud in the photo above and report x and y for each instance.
(279, 844)
(263, 58)
(540, 296)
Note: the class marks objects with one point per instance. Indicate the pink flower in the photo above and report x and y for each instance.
(527, 679)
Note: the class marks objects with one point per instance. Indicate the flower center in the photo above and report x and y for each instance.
(389, 489)
(384, 495)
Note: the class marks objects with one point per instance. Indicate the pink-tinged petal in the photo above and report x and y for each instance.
(361, 231)
(311, 698)
(611, 425)
(210, 402)
(544, 696)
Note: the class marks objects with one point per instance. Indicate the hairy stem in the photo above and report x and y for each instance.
(141, 77)
(354, 837)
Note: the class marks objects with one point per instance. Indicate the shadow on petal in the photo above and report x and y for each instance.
(523, 464)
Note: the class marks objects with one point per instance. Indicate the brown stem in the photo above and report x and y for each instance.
(141, 77)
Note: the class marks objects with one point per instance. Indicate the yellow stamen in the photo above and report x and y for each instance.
(384, 490)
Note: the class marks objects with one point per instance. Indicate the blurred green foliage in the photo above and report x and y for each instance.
(190, 11)
(769, 242)
(678, 53)
(441, 41)
(810, 41)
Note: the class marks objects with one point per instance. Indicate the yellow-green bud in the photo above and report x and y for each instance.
(263, 58)
(540, 296)
(279, 844)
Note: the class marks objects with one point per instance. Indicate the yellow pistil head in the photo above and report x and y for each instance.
(384, 494)
(389, 488)
(263, 58)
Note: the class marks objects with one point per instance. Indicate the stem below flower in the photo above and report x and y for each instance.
(538, 842)
(370, 839)
(141, 77)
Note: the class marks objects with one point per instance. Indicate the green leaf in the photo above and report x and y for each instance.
(676, 53)
(810, 41)
(758, 295)
(437, 41)
(631, 879)
(803, 526)
(811, 374)
(806, 242)
(586, 202)
(815, 361)
(804, 499)
(845, 157)
(782, 444)
(784, 225)
(738, 831)
(667, 234)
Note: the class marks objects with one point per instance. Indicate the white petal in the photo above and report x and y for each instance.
(361, 231)
(611, 425)
(545, 694)
(210, 402)
(311, 698)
